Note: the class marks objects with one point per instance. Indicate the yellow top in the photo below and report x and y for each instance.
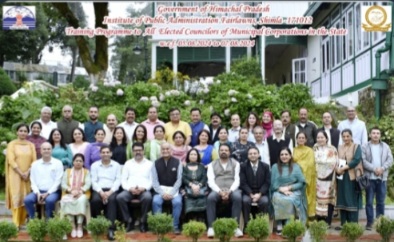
(171, 129)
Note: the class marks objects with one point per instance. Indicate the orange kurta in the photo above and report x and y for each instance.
(20, 154)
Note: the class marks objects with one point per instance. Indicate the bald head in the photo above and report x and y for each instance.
(165, 149)
(278, 127)
(112, 121)
(67, 112)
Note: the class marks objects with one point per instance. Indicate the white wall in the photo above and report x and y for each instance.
(314, 58)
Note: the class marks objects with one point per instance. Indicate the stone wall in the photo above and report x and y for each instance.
(367, 100)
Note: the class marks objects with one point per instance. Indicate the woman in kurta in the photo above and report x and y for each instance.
(76, 193)
(179, 149)
(223, 138)
(60, 150)
(206, 151)
(118, 145)
(326, 159)
(267, 124)
(20, 155)
(140, 135)
(349, 200)
(251, 121)
(79, 143)
(287, 190)
(92, 152)
(36, 137)
(240, 147)
(305, 158)
(159, 133)
(194, 180)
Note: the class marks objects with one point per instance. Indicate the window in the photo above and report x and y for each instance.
(325, 53)
(347, 40)
(299, 71)
(336, 46)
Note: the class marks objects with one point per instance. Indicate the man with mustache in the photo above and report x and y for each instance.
(216, 121)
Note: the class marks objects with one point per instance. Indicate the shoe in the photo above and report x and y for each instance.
(111, 235)
(74, 233)
(368, 227)
(65, 237)
(143, 228)
(130, 226)
(79, 233)
(211, 233)
(177, 231)
(238, 233)
(279, 229)
(338, 228)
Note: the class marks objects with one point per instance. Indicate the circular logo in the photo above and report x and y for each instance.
(376, 16)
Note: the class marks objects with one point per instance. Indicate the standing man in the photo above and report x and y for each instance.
(276, 142)
(129, 125)
(45, 176)
(92, 125)
(47, 124)
(152, 122)
(109, 128)
(307, 127)
(167, 179)
(332, 133)
(377, 160)
(223, 179)
(216, 121)
(357, 127)
(261, 144)
(105, 184)
(136, 183)
(196, 125)
(67, 124)
(255, 183)
(233, 132)
(288, 128)
(176, 124)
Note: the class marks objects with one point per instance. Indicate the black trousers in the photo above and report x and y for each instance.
(110, 209)
(124, 199)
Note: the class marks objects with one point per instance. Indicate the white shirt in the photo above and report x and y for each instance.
(137, 174)
(211, 177)
(327, 130)
(263, 149)
(233, 134)
(108, 134)
(129, 129)
(46, 176)
(358, 128)
(105, 176)
(281, 138)
(47, 128)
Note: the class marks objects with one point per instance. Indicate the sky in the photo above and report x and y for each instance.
(116, 9)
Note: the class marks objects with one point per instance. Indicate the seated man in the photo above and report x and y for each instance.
(45, 176)
(105, 183)
(167, 179)
(136, 182)
(223, 179)
(255, 183)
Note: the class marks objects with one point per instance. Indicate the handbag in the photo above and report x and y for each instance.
(362, 180)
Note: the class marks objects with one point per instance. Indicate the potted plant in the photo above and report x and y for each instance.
(8, 230)
(160, 224)
(258, 228)
(293, 229)
(385, 227)
(37, 229)
(194, 230)
(352, 231)
(58, 227)
(318, 230)
(98, 227)
(224, 228)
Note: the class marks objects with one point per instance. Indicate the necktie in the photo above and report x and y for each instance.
(254, 169)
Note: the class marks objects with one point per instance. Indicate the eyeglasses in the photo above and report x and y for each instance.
(138, 150)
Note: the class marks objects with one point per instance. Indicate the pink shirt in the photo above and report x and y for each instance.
(150, 126)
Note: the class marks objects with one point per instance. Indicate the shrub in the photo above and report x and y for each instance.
(98, 227)
(37, 229)
(318, 230)
(385, 227)
(293, 229)
(194, 230)
(58, 227)
(224, 228)
(8, 230)
(352, 231)
(81, 82)
(6, 84)
(258, 228)
(249, 68)
(160, 224)
(120, 233)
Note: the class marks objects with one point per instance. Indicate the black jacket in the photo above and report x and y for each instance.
(249, 183)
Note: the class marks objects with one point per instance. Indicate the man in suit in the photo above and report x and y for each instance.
(332, 133)
(255, 183)
(214, 127)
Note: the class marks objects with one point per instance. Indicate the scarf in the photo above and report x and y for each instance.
(76, 179)
(268, 126)
(207, 154)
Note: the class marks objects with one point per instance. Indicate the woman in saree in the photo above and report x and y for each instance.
(349, 199)
(20, 155)
(287, 190)
(305, 158)
(159, 133)
(36, 137)
(179, 149)
(206, 151)
(326, 159)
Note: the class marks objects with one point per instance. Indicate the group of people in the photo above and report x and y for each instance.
(282, 168)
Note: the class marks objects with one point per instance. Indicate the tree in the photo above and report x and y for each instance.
(96, 64)
(7, 86)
